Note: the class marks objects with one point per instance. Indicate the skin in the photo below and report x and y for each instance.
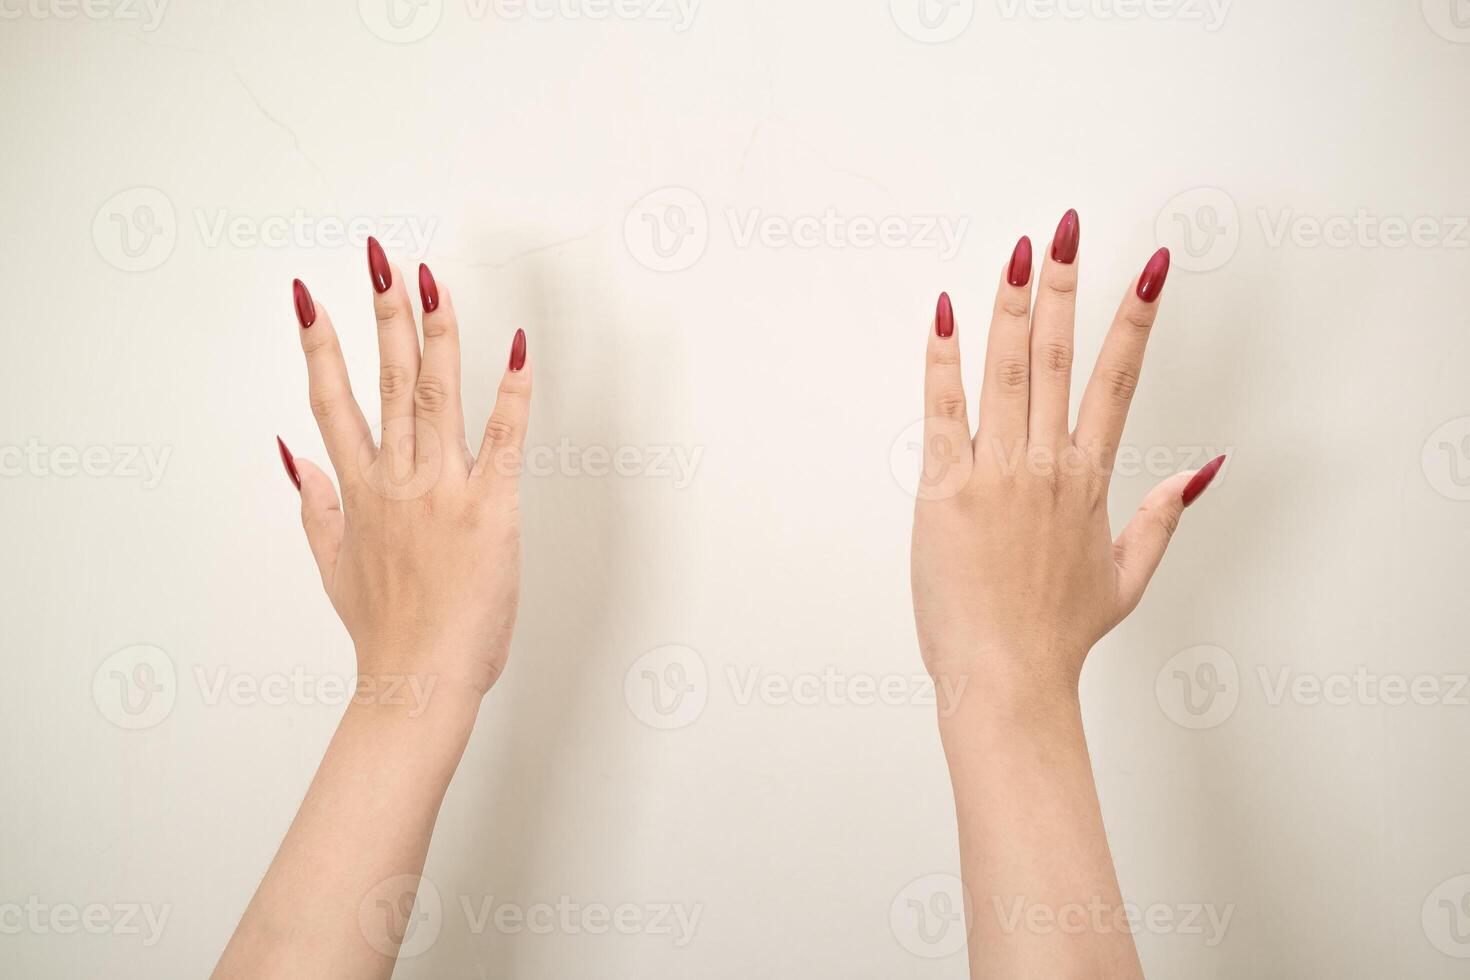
(421, 559)
(1016, 575)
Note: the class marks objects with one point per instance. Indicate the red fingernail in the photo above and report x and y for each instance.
(1064, 242)
(1202, 480)
(305, 308)
(518, 351)
(1019, 273)
(382, 276)
(1151, 283)
(428, 289)
(289, 461)
(944, 317)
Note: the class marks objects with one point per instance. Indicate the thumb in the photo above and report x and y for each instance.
(321, 511)
(1140, 548)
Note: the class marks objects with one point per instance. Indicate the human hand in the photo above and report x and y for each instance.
(1016, 573)
(421, 555)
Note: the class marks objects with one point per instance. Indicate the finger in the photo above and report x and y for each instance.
(1140, 548)
(948, 456)
(1115, 377)
(498, 466)
(438, 411)
(321, 517)
(1051, 338)
(1005, 392)
(398, 354)
(344, 430)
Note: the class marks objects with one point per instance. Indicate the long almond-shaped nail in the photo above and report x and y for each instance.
(305, 308)
(378, 269)
(518, 351)
(1202, 480)
(428, 289)
(1151, 283)
(289, 461)
(944, 317)
(1019, 272)
(1064, 242)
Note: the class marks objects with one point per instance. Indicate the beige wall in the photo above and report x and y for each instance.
(532, 161)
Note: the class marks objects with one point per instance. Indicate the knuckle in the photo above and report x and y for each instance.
(1169, 521)
(319, 343)
(1016, 309)
(431, 395)
(388, 314)
(437, 327)
(1120, 383)
(499, 428)
(324, 404)
(949, 403)
(1012, 374)
(944, 356)
(1062, 287)
(1055, 357)
(1139, 319)
(393, 382)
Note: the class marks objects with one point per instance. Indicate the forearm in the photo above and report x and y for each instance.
(329, 905)
(1034, 856)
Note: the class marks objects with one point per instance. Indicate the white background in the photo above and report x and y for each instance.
(1334, 834)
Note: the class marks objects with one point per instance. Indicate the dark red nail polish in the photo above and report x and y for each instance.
(1151, 283)
(1202, 480)
(1019, 273)
(289, 461)
(305, 308)
(944, 317)
(428, 289)
(382, 276)
(518, 351)
(1064, 242)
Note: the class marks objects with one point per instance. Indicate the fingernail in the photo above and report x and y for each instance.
(382, 276)
(1019, 273)
(1202, 480)
(1151, 283)
(944, 317)
(1064, 242)
(289, 461)
(428, 289)
(305, 308)
(518, 351)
